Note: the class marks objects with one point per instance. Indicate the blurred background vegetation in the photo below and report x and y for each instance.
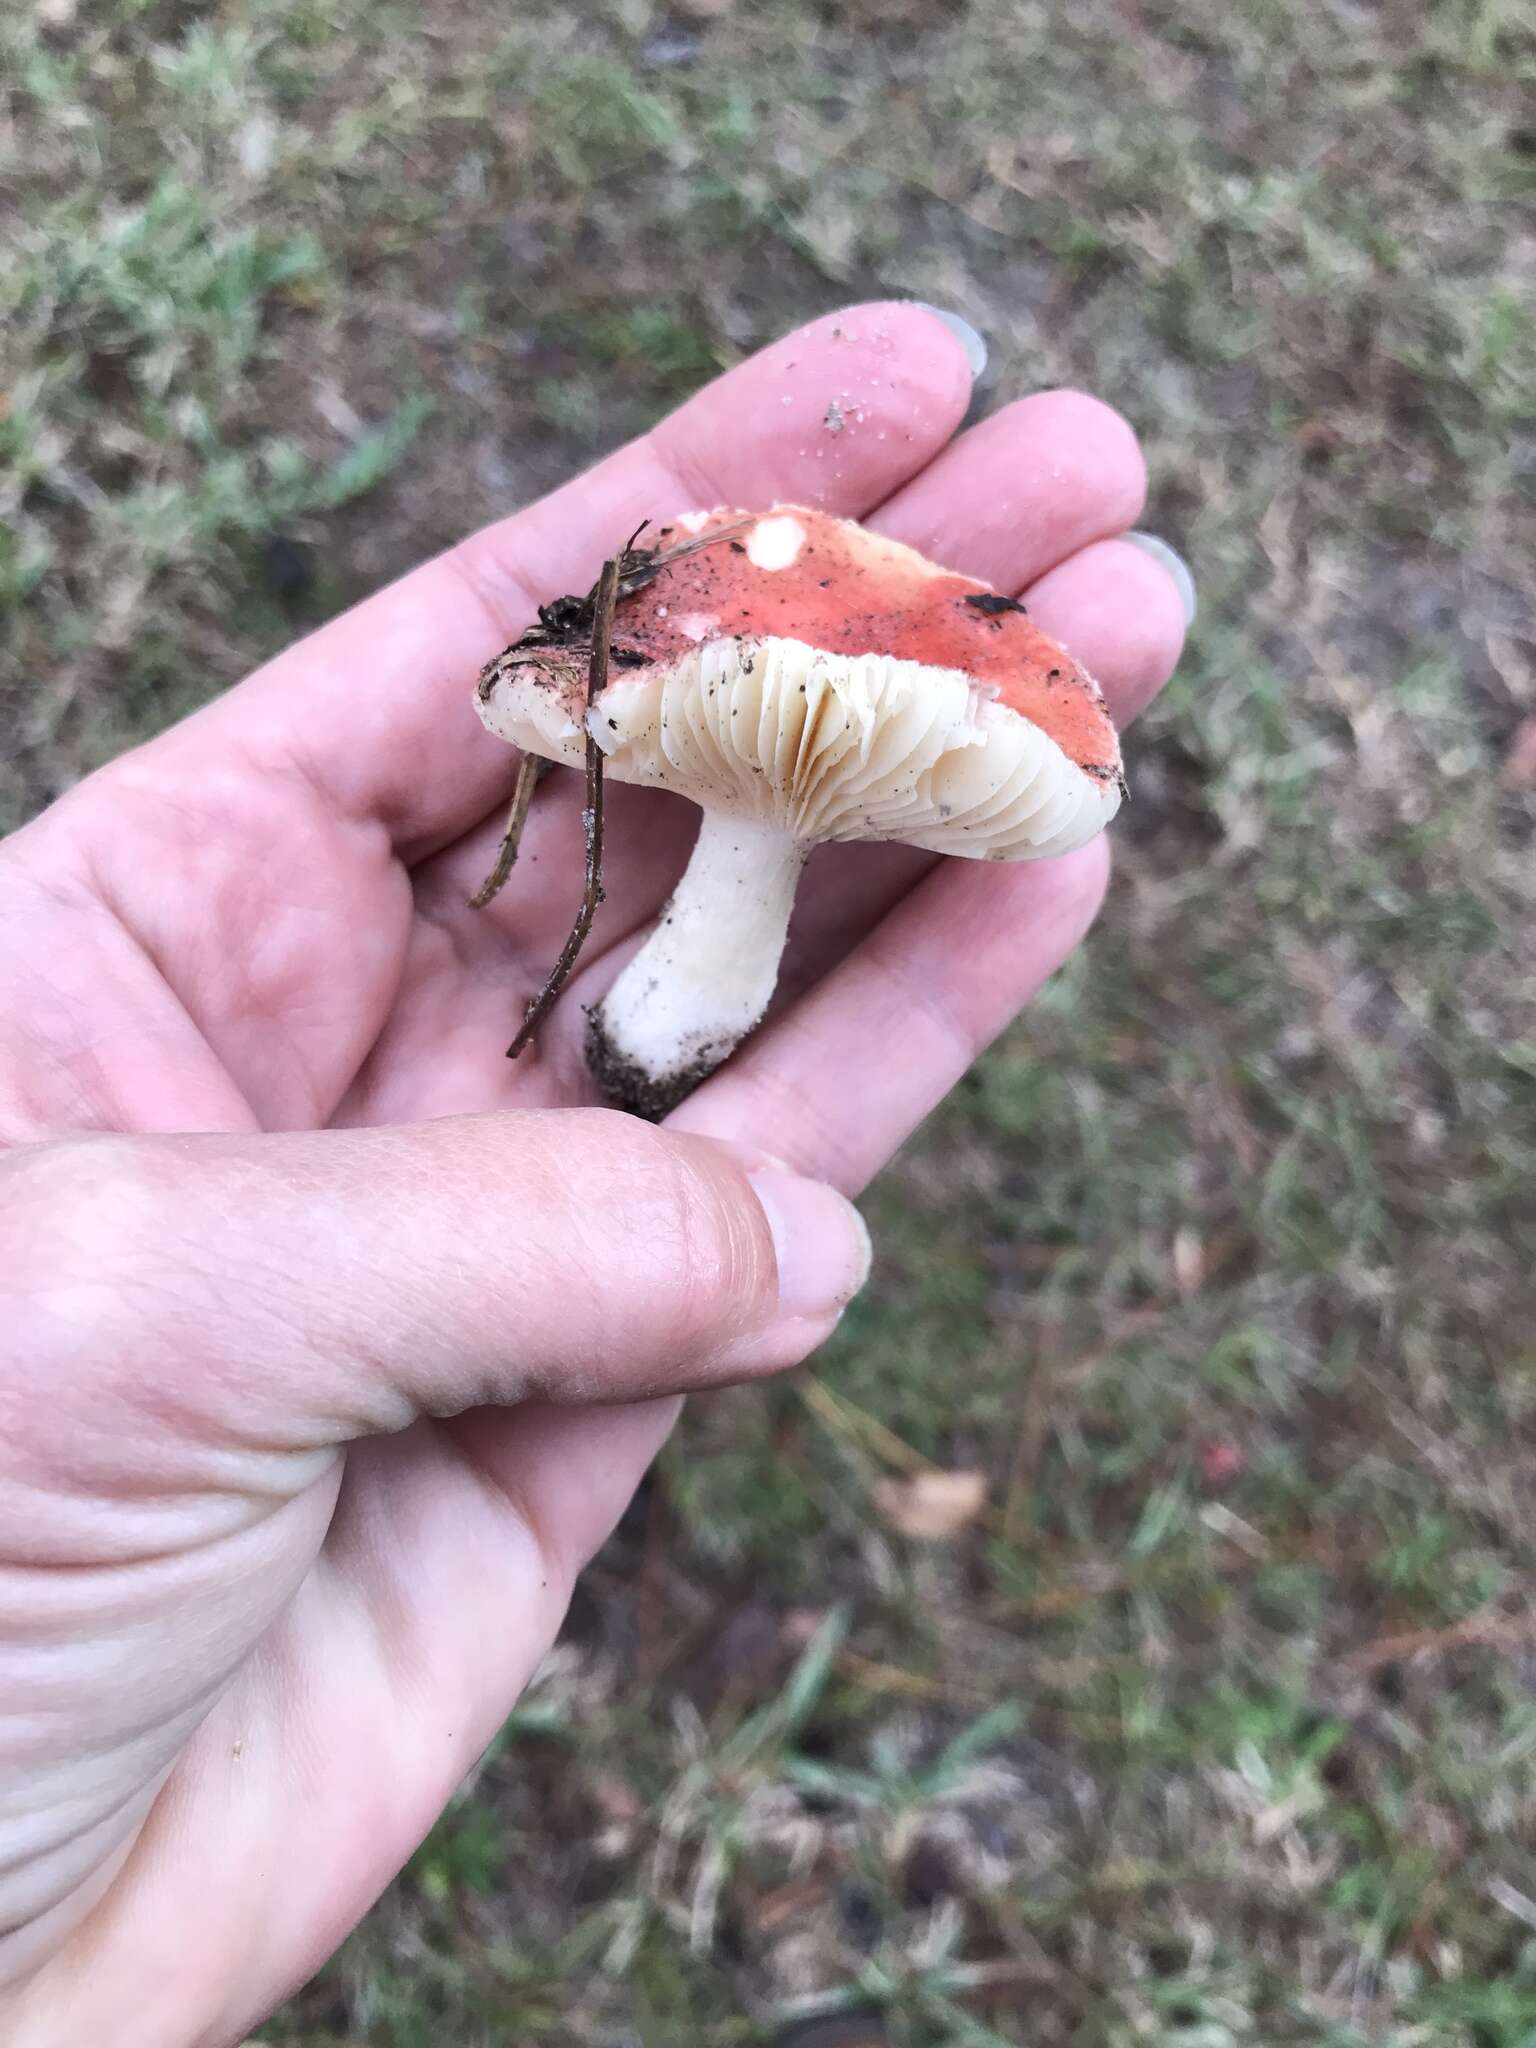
(1127, 1633)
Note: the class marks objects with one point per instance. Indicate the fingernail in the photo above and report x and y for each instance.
(819, 1240)
(1176, 566)
(961, 328)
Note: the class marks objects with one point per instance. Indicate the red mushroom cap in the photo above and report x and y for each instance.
(848, 591)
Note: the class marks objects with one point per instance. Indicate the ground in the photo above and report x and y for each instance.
(1212, 1718)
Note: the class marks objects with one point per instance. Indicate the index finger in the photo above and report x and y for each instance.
(375, 709)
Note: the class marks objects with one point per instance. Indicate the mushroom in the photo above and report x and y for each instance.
(801, 680)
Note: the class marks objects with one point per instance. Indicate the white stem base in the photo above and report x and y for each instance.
(704, 976)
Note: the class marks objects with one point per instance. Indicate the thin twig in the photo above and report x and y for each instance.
(1486, 1625)
(604, 598)
(530, 771)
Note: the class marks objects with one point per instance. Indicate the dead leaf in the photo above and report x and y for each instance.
(804, 1898)
(932, 1505)
(1520, 761)
(1188, 1261)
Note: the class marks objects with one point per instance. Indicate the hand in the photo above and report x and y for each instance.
(309, 1420)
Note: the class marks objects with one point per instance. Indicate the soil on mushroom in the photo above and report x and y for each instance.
(628, 1086)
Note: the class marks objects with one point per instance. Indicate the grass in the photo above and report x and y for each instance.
(1217, 1726)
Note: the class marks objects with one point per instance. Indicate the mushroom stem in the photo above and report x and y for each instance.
(704, 976)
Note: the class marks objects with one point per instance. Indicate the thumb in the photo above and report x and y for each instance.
(340, 1283)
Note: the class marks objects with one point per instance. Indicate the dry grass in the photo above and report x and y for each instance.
(1219, 1727)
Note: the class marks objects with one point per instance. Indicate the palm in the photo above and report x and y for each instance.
(285, 879)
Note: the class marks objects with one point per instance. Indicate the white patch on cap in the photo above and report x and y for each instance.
(692, 522)
(775, 543)
(698, 625)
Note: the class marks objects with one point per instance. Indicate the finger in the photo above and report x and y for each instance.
(1023, 490)
(931, 987)
(323, 1286)
(572, 1471)
(376, 708)
(1122, 614)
